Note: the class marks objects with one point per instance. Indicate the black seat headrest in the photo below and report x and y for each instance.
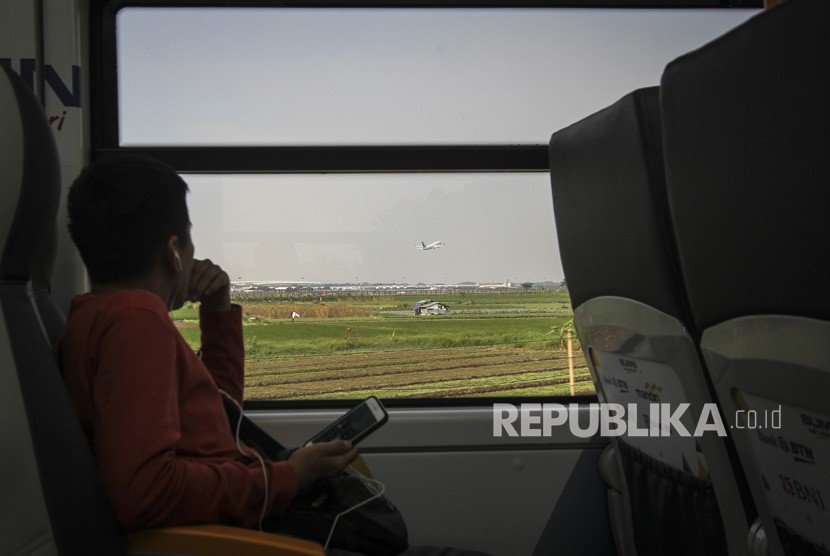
(609, 199)
(745, 122)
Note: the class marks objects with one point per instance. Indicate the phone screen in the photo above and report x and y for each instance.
(353, 426)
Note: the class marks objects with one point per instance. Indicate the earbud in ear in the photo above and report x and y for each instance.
(178, 260)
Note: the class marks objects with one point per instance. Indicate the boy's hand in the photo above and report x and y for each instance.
(210, 285)
(321, 460)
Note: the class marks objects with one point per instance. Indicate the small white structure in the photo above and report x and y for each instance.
(433, 308)
(294, 315)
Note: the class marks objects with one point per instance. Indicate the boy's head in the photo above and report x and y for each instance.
(122, 212)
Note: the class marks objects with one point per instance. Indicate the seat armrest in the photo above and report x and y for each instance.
(219, 540)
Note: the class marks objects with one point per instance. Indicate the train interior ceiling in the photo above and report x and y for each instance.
(605, 149)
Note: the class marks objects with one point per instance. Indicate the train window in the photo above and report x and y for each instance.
(375, 180)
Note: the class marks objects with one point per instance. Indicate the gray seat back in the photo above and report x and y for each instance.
(50, 495)
(680, 494)
(746, 122)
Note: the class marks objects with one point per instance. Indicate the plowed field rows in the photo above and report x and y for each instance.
(435, 373)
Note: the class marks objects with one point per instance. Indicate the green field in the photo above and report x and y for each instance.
(351, 346)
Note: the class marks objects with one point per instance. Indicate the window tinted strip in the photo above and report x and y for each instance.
(531, 158)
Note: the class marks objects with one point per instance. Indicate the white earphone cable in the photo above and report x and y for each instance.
(248, 454)
(373, 485)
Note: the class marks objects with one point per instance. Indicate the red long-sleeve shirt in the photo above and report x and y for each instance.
(152, 409)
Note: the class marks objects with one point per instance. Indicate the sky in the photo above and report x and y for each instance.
(370, 76)
(365, 227)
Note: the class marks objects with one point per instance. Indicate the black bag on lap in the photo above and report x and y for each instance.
(375, 527)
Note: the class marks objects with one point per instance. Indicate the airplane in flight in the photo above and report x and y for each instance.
(433, 245)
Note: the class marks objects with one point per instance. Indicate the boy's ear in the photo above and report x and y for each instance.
(171, 253)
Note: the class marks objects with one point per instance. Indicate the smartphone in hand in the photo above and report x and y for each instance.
(356, 424)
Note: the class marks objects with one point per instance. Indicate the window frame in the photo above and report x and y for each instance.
(331, 158)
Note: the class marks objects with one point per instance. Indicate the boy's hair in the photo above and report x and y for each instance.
(121, 211)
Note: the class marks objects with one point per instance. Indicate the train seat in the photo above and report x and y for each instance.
(675, 494)
(48, 487)
(746, 121)
(51, 500)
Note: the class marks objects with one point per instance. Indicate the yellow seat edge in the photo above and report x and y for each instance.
(220, 540)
